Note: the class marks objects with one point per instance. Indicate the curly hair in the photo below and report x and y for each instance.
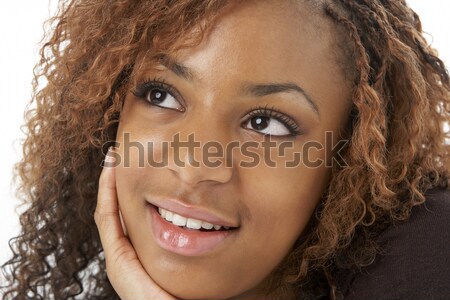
(397, 149)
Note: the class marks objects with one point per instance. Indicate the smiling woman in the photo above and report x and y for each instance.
(328, 100)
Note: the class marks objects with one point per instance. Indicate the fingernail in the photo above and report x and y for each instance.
(109, 159)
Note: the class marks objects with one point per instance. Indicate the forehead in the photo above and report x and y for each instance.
(269, 40)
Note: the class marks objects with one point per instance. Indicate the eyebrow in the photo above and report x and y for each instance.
(177, 68)
(257, 90)
(260, 90)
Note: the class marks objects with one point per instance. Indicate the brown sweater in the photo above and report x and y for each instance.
(417, 262)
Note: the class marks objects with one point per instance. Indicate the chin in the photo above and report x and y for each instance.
(197, 291)
(189, 285)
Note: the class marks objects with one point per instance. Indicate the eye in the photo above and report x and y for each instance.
(271, 122)
(162, 98)
(159, 94)
(267, 125)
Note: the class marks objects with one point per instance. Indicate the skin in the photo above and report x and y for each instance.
(278, 202)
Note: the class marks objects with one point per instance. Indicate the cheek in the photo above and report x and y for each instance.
(282, 199)
(134, 147)
(130, 196)
(280, 202)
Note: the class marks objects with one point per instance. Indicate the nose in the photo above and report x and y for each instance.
(191, 161)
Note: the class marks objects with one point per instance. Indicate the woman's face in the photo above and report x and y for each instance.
(270, 55)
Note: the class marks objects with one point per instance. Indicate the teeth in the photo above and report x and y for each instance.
(162, 212)
(188, 222)
(207, 225)
(179, 220)
(194, 223)
(169, 216)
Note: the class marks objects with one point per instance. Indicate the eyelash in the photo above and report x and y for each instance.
(264, 111)
(142, 89)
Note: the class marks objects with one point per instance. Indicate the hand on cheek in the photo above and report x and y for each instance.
(124, 270)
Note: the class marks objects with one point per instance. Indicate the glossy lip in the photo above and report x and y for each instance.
(184, 241)
(189, 211)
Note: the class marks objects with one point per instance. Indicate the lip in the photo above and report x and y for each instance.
(189, 211)
(184, 241)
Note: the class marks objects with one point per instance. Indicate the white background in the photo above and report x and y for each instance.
(21, 30)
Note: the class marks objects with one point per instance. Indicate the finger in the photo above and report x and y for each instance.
(125, 271)
(124, 228)
(107, 211)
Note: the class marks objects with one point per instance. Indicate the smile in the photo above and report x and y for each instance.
(174, 233)
(189, 223)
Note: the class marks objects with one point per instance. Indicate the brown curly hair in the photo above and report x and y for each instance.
(397, 150)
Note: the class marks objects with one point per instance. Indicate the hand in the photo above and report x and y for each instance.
(124, 270)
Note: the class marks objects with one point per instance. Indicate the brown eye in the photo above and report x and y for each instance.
(163, 98)
(270, 121)
(260, 123)
(268, 125)
(157, 96)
